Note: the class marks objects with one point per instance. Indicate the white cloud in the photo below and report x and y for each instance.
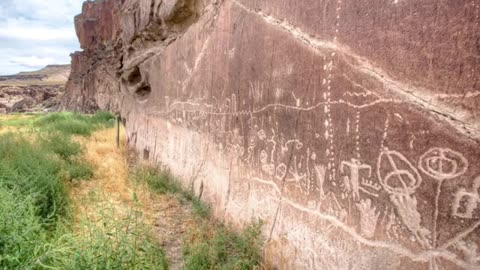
(32, 61)
(35, 33)
(25, 30)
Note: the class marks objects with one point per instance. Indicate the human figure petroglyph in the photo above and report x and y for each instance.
(368, 217)
(470, 198)
(320, 172)
(401, 191)
(352, 181)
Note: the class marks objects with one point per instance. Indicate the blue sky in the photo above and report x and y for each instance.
(36, 33)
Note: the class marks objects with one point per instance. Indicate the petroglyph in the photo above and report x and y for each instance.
(302, 135)
(352, 181)
(456, 117)
(401, 185)
(441, 164)
(368, 217)
(466, 202)
(398, 181)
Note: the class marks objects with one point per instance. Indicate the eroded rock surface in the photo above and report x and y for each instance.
(33, 91)
(352, 128)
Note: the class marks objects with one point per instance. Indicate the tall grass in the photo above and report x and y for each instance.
(70, 123)
(217, 247)
(35, 210)
(34, 172)
(211, 245)
(108, 243)
(164, 183)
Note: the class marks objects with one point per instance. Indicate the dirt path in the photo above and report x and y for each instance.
(111, 188)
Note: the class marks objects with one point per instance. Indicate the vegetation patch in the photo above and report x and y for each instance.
(217, 247)
(164, 183)
(108, 243)
(36, 224)
(209, 244)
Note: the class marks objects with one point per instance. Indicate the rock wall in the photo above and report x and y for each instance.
(350, 127)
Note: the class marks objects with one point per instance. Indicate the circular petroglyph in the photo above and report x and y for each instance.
(396, 174)
(443, 163)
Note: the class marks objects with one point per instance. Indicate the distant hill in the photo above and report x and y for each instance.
(34, 91)
(49, 75)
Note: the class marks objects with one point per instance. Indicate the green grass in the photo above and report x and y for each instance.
(35, 210)
(21, 231)
(212, 245)
(61, 145)
(34, 172)
(108, 244)
(69, 123)
(222, 249)
(164, 183)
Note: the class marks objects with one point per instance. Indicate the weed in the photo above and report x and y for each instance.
(79, 170)
(34, 172)
(221, 248)
(165, 183)
(70, 123)
(109, 243)
(21, 231)
(212, 246)
(162, 183)
(61, 145)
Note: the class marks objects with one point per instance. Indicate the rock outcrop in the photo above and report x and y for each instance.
(351, 128)
(33, 91)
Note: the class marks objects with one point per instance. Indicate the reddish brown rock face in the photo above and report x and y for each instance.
(351, 128)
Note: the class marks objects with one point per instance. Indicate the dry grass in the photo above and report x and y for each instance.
(111, 186)
(112, 189)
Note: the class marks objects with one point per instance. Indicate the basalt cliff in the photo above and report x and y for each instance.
(350, 127)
